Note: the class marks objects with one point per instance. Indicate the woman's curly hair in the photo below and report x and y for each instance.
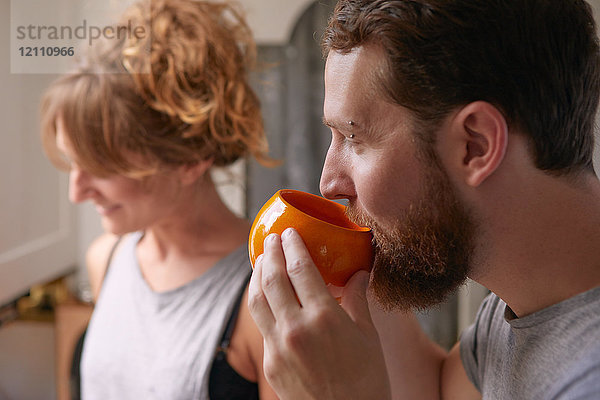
(174, 91)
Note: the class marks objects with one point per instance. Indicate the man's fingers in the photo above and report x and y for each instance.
(257, 302)
(275, 283)
(302, 272)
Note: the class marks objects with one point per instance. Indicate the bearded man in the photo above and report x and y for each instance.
(462, 134)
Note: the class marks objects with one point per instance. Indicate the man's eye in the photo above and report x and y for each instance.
(352, 138)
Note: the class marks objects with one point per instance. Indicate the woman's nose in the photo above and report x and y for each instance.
(80, 185)
(336, 178)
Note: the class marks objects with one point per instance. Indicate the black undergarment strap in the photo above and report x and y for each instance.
(225, 383)
(226, 339)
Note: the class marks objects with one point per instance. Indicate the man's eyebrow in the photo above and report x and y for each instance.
(327, 123)
(334, 125)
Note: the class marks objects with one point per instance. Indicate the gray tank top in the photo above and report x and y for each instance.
(146, 345)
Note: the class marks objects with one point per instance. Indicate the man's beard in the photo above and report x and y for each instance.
(426, 254)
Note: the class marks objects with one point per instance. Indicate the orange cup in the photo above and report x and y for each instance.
(338, 247)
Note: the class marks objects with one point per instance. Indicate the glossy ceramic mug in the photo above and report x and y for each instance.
(338, 247)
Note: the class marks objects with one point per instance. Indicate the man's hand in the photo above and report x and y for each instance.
(313, 347)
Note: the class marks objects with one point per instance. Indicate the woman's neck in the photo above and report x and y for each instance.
(201, 231)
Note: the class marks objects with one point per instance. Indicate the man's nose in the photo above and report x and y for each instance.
(336, 178)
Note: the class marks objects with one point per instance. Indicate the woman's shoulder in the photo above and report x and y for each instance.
(249, 333)
(97, 258)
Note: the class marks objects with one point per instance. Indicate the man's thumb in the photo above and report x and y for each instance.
(354, 298)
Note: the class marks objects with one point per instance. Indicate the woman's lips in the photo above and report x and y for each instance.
(106, 210)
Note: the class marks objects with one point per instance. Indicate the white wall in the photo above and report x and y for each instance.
(272, 21)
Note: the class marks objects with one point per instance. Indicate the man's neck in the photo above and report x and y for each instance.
(542, 245)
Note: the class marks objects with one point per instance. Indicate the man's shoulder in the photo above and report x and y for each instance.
(583, 380)
(575, 330)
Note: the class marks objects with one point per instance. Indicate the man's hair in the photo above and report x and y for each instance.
(537, 61)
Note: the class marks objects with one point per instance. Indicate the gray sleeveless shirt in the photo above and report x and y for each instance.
(146, 345)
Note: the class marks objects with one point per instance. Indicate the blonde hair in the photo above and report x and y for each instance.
(177, 95)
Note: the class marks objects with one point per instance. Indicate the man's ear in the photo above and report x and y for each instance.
(190, 173)
(481, 132)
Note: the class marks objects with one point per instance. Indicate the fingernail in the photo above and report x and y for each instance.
(288, 233)
(258, 259)
(271, 238)
(363, 277)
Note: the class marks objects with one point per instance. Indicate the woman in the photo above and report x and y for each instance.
(139, 125)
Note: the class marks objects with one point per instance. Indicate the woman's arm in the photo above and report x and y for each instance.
(247, 332)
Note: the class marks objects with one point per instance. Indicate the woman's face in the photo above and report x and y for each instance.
(124, 204)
